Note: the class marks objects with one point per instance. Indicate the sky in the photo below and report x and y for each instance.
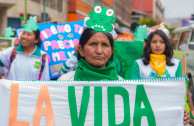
(178, 8)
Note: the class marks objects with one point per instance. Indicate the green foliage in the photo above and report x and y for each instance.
(169, 29)
(147, 21)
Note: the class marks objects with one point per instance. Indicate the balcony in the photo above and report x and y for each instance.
(7, 3)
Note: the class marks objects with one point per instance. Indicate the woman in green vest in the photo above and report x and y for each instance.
(95, 58)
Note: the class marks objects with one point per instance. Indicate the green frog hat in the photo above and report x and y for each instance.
(31, 25)
(8, 32)
(140, 33)
(101, 19)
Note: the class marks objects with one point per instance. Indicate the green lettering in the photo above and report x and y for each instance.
(112, 91)
(75, 120)
(139, 112)
(97, 106)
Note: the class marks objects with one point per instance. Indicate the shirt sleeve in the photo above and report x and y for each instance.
(45, 74)
(135, 71)
(70, 64)
(5, 60)
(179, 70)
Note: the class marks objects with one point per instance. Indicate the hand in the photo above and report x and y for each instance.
(192, 112)
(186, 117)
(16, 42)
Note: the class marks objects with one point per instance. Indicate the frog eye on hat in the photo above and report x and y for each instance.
(98, 9)
(109, 12)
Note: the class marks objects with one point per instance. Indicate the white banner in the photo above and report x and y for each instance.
(149, 102)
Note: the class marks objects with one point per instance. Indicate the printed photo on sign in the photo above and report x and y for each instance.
(55, 69)
(6, 42)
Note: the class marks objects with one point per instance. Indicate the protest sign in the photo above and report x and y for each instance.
(125, 53)
(146, 102)
(7, 42)
(58, 41)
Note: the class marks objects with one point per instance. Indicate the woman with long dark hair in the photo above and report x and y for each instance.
(157, 59)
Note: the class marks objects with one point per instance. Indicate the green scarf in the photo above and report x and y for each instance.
(86, 72)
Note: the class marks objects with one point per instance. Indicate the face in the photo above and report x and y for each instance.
(28, 39)
(97, 51)
(157, 45)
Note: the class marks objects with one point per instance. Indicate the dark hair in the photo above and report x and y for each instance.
(168, 50)
(37, 37)
(87, 34)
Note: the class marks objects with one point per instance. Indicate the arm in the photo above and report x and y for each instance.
(45, 73)
(70, 64)
(135, 71)
(5, 60)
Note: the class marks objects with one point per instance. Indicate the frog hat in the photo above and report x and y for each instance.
(31, 25)
(140, 33)
(8, 32)
(101, 19)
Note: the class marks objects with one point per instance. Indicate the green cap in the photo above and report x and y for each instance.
(140, 33)
(31, 25)
(8, 32)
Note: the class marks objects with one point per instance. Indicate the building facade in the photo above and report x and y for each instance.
(151, 8)
(4, 6)
(78, 9)
(123, 9)
(56, 11)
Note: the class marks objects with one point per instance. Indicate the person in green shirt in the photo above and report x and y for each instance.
(158, 61)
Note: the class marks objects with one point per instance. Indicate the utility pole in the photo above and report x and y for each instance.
(26, 11)
(44, 10)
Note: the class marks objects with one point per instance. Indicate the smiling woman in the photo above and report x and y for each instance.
(26, 61)
(95, 54)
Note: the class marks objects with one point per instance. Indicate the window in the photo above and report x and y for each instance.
(87, 1)
(175, 39)
(191, 43)
(38, 1)
(106, 6)
(97, 2)
(184, 40)
(60, 5)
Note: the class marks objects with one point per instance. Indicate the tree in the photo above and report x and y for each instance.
(147, 21)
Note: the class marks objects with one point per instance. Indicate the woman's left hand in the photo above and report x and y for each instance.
(186, 117)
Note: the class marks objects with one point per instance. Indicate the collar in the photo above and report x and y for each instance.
(36, 52)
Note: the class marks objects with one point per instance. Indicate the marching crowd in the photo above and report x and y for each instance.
(92, 60)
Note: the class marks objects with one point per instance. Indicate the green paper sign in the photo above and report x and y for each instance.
(125, 53)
